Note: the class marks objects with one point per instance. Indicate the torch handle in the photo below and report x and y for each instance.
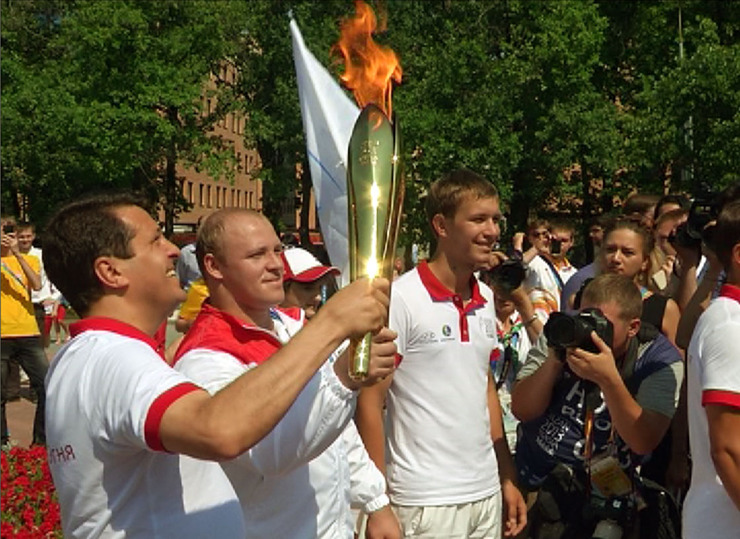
(359, 350)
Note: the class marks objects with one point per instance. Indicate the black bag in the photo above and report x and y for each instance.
(563, 510)
(661, 519)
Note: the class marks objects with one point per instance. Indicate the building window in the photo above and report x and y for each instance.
(209, 201)
(189, 196)
(218, 196)
(201, 202)
(250, 200)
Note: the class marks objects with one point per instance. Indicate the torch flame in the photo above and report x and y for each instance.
(369, 67)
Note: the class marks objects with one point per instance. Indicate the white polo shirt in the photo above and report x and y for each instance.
(439, 448)
(713, 378)
(106, 393)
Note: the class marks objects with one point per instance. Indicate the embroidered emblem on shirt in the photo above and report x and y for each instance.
(446, 330)
(488, 326)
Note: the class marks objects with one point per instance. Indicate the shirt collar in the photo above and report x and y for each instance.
(730, 291)
(440, 292)
(100, 323)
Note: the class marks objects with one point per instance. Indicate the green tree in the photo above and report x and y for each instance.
(114, 97)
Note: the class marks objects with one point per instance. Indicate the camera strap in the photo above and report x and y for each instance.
(555, 272)
(626, 371)
(17, 277)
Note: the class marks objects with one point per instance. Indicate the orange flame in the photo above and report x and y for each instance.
(369, 67)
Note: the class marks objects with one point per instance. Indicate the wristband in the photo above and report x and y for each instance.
(531, 321)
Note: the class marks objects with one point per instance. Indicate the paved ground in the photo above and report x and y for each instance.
(20, 413)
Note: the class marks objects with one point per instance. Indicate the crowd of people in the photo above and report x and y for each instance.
(509, 394)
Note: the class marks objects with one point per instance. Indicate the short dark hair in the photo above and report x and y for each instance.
(727, 233)
(447, 193)
(536, 223)
(563, 226)
(25, 225)
(78, 234)
(639, 203)
(620, 289)
(672, 198)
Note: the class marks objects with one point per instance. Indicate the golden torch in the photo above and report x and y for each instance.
(375, 184)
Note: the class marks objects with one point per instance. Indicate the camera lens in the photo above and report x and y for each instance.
(561, 330)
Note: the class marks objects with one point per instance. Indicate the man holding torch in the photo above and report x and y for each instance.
(299, 480)
(448, 466)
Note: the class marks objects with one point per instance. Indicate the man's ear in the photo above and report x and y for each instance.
(107, 270)
(439, 224)
(212, 266)
(735, 258)
(633, 328)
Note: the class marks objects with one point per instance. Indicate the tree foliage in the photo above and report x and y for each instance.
(111, 96)
(564, 105)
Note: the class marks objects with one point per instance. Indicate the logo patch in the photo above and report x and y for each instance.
(489, 327)
(446, 330)
(427, 337)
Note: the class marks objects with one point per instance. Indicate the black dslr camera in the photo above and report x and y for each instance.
(508, 275)
(574, 331)
(703, 210)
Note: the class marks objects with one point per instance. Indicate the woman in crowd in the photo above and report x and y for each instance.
(626, 251)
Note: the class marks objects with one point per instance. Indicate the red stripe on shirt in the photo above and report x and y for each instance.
(157, 410)
(717, 396)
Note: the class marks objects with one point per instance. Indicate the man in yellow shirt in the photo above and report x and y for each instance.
(19, 333)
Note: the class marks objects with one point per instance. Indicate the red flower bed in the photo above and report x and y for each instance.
(29, 503)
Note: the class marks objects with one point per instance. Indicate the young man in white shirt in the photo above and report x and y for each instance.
(118, 415)
(712, 505)
(448, 466)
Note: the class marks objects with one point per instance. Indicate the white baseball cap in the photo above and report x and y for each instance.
(303, 267)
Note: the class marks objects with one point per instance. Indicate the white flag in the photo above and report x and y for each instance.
(329, 116)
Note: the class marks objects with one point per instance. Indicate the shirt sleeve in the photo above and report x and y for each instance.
(720, 370)
(135, 389)
(659, 392)
(367, 484)
(535, 358)
(312, 423)
(399, 320)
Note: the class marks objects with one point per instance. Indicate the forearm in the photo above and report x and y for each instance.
(695, 307)
(370, 425)
(532, 324)
(528, 255)
(531, 395)
(640, 429)
(34, 280)
(241, 414)
(506, 468)
(687, 285)
(724, 441)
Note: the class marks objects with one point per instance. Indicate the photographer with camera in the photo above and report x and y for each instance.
(595, 395)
